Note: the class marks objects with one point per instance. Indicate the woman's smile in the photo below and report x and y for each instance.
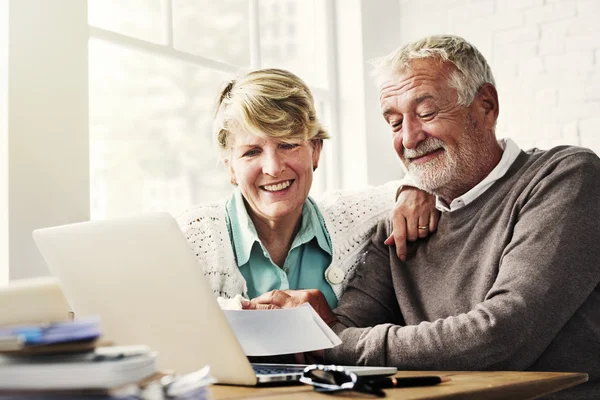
(277, 187)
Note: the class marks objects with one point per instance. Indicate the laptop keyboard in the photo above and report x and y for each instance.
(276, 370)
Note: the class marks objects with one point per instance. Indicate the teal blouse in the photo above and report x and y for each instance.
(305, 264)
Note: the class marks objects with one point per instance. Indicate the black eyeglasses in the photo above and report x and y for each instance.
(333, 378)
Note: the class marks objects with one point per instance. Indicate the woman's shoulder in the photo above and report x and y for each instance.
(354, 213)
(203, 214)
(205, 228)
(382, 196)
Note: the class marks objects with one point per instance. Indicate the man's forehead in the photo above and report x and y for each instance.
(400, 89)
(420, 75)
(424, 67)
(393, 85)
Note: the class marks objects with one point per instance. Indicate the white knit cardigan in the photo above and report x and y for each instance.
(350, 218)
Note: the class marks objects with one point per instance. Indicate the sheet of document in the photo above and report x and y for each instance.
(284, 331)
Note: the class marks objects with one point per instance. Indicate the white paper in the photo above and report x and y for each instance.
(281, 331)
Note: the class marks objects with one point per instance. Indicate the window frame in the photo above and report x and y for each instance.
(48, 129)
(330, 174)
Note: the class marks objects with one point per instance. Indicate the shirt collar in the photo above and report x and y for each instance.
(244, 232)
(313, 226)
(510, 153)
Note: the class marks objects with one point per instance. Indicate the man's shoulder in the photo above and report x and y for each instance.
(570, 159)
(574, 154)
(557, 174)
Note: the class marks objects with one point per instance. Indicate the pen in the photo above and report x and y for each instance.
(407, 381)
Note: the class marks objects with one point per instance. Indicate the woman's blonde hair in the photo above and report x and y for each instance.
(269, 103)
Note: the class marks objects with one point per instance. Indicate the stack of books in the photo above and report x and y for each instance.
(31, 338)
(44, 355)
(67, 360)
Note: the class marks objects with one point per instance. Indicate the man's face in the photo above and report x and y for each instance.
(438, 141)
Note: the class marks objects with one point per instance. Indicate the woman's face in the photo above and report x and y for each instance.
(274, 177)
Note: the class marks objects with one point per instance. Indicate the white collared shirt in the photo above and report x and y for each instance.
(509, 155)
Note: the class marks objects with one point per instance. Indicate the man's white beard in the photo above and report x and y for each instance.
(453, 168)
(434, 173)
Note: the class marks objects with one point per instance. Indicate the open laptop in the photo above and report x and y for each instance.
(141, 277)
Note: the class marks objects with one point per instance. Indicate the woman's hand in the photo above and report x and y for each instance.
(414, 216)
(293, 298)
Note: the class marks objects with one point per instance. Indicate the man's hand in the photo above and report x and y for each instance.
(415, 216)
(293, 298)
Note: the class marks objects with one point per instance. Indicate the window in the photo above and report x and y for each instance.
(3, 142)
(155, 68)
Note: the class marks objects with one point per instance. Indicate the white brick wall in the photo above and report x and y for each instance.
(545, 55)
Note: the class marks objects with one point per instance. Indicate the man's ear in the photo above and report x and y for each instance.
(488, 98)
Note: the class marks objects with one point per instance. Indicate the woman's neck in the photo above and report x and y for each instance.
(277, 235)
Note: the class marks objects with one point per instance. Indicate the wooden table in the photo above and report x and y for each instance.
(463, 385)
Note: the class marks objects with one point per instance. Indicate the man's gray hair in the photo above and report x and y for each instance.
(473, 70)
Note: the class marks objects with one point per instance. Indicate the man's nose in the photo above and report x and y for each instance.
(273, 164)
(412, 133)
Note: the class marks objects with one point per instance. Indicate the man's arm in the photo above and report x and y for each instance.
(413, 211)
(548, 270)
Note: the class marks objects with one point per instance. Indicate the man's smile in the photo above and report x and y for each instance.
(420, 159)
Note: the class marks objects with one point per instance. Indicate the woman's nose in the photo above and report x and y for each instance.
(273, 164)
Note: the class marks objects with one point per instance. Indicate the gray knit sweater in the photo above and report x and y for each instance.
(509, 282)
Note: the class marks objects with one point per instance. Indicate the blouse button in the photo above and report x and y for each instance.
(334, 275)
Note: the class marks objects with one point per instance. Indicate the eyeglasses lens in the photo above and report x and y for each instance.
(333, 378)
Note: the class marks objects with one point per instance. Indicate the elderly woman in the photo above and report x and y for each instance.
(270, 234)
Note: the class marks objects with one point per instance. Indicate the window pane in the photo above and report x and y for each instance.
(150, 133)
(218, 30)
(292, 36)
(141, 19)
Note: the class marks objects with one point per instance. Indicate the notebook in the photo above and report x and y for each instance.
(141, 277)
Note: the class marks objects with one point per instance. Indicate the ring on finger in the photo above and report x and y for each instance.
(423, 227)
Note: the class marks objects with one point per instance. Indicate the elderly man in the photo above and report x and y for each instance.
(511, 279)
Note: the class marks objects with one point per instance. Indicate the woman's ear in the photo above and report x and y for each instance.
(230, 171)
(317, 145)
